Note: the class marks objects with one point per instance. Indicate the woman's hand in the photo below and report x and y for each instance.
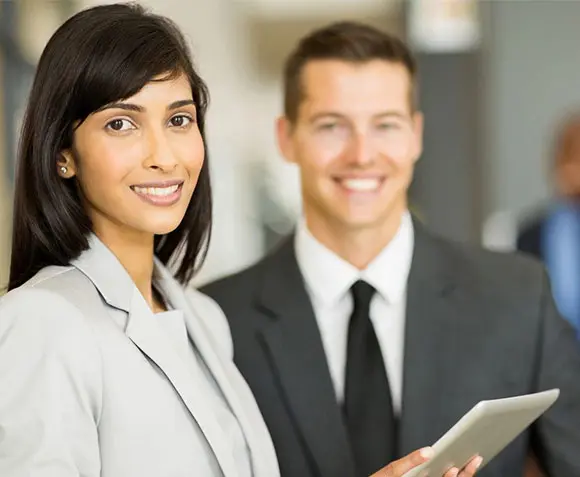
(400, 467)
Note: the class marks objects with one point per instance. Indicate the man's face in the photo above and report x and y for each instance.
(356, 139)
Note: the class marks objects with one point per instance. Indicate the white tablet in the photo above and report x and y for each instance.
(485, 430)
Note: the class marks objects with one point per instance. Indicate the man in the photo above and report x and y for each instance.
(364, 337)
(554, 235)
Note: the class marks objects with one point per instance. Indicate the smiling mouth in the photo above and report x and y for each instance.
(159, 194)
(157, 191)
(361, 184)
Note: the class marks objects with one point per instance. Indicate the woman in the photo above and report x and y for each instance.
(108, 366)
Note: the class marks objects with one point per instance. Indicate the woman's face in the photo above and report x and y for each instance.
(137, 161)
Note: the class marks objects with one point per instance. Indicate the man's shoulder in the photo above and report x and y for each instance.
(242, 280)
(505, 272)
(241, 286)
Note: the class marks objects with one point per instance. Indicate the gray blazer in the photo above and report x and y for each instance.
(90, 385)
(479, 325)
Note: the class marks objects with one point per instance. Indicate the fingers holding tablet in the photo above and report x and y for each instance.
(400, 467)
(472, 467)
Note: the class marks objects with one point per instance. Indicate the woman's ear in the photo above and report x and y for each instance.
(66, 164)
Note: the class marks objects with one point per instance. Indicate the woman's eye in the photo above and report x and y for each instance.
(180, 121)
(120, 125)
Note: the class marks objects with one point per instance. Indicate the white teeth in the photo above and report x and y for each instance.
(158, 191)
(361, 185)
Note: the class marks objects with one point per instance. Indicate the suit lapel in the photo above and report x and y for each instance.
(145, 332)
(101, 266)
(218, 367)
(429, 331)
(295, 348)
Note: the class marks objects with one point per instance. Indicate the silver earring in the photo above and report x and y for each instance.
(63, 169)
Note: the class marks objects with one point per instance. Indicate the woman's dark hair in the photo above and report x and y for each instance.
(101, 55)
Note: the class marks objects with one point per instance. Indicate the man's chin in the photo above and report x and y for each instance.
(362, 222)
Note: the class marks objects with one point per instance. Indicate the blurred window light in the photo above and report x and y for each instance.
(281, 8)
(500, 231)
(444, 26)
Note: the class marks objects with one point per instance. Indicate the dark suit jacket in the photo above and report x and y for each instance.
(529, 238)
(480, 325)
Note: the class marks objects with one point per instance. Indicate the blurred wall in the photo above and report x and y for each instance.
(446, 190)
(25, 26)
(532, 77)
(4, 195)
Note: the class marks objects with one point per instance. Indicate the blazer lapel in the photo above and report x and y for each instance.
(294, 345)
(220, 370)
(429, 331)
(115, 285)
(145, 332)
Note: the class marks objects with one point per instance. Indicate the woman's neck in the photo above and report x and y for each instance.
(135, 252)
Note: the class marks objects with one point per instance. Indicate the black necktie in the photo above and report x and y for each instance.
(368, 407)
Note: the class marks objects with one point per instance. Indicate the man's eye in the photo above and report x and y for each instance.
(387, 126)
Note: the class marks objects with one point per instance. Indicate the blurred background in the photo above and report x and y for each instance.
(496, 80)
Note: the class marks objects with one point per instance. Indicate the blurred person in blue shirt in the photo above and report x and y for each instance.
(553, 235)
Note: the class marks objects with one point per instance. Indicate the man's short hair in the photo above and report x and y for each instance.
(346, 41)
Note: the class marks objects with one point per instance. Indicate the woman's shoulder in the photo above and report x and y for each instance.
(44, 333)
(48, 301)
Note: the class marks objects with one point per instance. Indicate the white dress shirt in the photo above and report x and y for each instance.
(328, 280)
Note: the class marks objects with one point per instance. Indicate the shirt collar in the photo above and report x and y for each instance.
(328, 277)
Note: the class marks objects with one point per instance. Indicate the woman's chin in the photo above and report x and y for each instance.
(161, 227)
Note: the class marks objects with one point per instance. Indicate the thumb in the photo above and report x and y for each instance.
(402, 466)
